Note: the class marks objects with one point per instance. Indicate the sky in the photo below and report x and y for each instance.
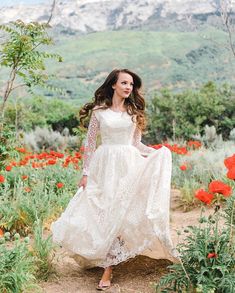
(12, 2)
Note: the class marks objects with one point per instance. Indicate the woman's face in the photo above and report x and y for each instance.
(124, 85)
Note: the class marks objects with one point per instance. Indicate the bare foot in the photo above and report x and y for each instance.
(107, 274)
(105, 281)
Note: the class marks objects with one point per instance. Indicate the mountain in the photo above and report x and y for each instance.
(100, 15)
(177, 44)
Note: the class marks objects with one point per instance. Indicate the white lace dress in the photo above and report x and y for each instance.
(124, 209)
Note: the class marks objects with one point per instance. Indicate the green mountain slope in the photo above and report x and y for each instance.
(174, 59)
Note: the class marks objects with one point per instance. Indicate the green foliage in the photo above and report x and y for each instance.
(20, 209)
(186, 114)
(162, 58)
(16, 266)
(202, 166)
(43, 252)
(26, 114)
(197, 272)
(7, 144)
(20, 53)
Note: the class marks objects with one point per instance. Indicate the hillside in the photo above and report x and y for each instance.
(174, 59)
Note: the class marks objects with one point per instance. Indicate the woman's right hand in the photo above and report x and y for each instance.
(83, 181)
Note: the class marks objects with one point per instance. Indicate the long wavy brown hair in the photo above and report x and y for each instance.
(135, 103)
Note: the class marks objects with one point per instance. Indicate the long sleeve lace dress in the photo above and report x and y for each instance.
(124, 209)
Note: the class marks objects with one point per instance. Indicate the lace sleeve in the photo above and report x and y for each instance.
(144, 150)
(90, 142)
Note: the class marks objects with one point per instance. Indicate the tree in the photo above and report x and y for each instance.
(21, 55)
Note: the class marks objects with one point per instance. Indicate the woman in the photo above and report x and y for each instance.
(123, 209)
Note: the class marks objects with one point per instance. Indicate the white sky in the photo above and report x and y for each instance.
(12, 2)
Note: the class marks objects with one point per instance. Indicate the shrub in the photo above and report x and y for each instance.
(43, 252)
(16, 266)
(185, 114)
(207, 255)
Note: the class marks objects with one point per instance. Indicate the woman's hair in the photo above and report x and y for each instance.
(135, 103)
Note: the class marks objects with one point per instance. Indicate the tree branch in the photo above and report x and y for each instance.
(52, 10)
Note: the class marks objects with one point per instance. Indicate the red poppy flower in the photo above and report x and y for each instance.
(212, 255)
(204, 196)
(230, 162)
(156, 146)
(78, 155)
(21, 150)
(183, 167)
(24, 177)
(8, 168)
(231, 173)
(1, 232)
(2, 178)
(82, 149)
(51, 162)
(217, 186)
(60, 185)
(27, 189)
(194, 143)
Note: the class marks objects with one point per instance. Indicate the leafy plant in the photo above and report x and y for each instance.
(207, 255)
(17, 265)
(43, 252)
(21, 55)
(184, 115)
(7, 145)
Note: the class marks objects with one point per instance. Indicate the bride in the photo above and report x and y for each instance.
(123, 208)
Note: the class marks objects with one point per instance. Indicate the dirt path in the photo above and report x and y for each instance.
(135, 276)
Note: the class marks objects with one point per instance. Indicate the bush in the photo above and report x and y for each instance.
(186, 114)
(16, 266)
(43, 252)
(42, 112)
(207, 254)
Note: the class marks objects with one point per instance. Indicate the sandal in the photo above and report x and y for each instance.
(102, 287)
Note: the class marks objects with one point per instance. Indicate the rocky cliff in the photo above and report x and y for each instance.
(100, 15)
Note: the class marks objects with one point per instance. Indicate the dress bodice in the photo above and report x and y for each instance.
(115, 128)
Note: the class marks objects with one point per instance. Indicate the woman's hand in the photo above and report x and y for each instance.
(83, 181)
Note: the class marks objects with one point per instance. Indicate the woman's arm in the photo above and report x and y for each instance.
(144, 150)
(90, 143)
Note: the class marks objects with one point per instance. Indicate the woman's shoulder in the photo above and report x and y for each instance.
(98, 109)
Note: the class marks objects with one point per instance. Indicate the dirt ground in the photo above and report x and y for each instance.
(134, 276)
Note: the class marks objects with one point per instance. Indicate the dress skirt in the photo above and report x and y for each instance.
(123, 210)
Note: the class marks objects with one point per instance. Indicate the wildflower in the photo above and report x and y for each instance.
(23, 162)
(60, 185)
(231, 173)
(230, 162)
(204, 196)
(217, 186)
(8, 168)
(51, 162)
(24, 177)
(21, 150)
(27, 189)
(183, 167)
(194, 143)
(82, 149)
(1, 233)
(156, 146)
(78, 155)
(2, 178)
(212, 255)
